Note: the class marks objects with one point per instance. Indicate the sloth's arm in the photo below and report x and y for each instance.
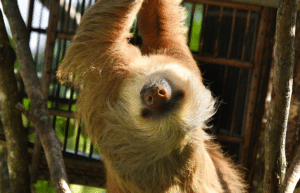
(161, 25)
(101, 40)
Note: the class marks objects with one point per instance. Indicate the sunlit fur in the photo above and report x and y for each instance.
(145, 155)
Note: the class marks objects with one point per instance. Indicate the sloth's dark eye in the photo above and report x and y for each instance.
(178, 95)
(146, 113)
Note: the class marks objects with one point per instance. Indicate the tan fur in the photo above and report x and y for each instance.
(172, 154)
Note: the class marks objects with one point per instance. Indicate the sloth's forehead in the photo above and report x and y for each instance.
(179, 78)
(173, 72)
(169, 70)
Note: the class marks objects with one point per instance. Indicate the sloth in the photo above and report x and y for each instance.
(146, 106)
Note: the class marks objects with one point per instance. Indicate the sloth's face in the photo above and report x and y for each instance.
(165, 92)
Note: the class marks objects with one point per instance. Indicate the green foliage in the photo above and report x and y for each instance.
(194, 23)
(196, 28)
(46, 187)
(83, 189)
(16, 65)
(26, 122)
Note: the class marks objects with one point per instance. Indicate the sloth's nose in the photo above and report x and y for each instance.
(157, 96)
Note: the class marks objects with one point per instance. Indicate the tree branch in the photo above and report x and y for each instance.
(43, 124)
(16, 138)
(292, 175)
(275, 135)
(25, 112)
(293, 134)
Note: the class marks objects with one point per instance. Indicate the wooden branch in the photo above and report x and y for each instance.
(275, 134)
(293, 141)
(46, 80)
(43, 124)
(62, 113)
(25, 112)
(292, 175)
(17, 158)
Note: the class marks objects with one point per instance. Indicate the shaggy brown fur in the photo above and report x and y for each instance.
(146, 147)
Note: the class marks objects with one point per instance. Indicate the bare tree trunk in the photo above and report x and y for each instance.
(293, 130)
(4, 177)
(46, 79)
(275, 134)
(40, 115)
(16, 139)
(292, 175)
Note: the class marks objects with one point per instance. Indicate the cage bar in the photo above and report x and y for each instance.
(203, 27)
(246, 34)
(232, 128)
(231, 33)
(230, 4)
(216, 49)
(222, 61)
(254, 84)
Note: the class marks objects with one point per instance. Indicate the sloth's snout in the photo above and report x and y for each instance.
(157, 96)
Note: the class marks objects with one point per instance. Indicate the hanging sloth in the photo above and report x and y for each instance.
(146, 107)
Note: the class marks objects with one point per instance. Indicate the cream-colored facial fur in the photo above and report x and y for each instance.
(147, 146)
